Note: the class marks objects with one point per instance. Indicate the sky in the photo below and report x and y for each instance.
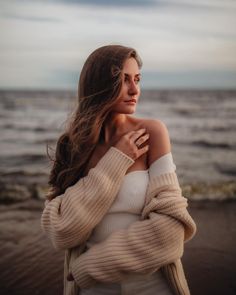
(183, 43)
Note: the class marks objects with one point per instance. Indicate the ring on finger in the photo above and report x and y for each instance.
(137, 144)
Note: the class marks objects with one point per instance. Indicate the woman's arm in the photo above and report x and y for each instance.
(147, 244)
(69, 218)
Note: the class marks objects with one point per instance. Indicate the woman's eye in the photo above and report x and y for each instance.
(136, 81)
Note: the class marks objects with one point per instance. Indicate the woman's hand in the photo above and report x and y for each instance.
(130, 142)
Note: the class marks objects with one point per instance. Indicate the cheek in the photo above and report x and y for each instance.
(118, 103)
(121, 91)
(124, 88)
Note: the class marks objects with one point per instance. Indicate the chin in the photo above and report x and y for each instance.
(129, 111)
(126, 110)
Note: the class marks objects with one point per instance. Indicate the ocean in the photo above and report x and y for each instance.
(201, 126)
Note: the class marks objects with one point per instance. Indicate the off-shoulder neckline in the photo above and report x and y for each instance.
(146, 171)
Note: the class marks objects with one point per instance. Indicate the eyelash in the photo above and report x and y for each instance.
(136, 81)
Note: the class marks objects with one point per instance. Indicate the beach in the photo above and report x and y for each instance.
(202, 128)
(30, 265)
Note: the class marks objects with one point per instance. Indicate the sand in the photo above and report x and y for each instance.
(30, 265)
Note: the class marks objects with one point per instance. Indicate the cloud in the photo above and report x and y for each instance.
(32, 18)
(115, 3)
(158, 4)
(106, 3)
(53, 39)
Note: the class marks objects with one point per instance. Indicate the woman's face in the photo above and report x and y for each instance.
(130, 89)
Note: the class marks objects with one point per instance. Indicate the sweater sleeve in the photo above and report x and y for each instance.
(145, 245)
(69, 218)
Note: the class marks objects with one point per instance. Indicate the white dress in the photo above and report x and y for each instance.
(125, 210)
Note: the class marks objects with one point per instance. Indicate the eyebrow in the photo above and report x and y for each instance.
(136, 75)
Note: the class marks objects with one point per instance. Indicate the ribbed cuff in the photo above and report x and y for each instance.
(115, 162)
(82, 279)
(164, 179)
(120, 152)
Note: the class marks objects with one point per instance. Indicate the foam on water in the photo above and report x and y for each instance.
(201, 125)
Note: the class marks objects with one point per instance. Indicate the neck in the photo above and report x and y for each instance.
(114, 127)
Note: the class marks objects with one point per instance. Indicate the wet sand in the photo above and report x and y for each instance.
(29, 264)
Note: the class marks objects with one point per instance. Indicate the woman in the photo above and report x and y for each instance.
(115, 204)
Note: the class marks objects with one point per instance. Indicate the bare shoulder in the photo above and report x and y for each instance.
(159, 140)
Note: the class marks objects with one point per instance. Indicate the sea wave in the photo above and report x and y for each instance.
(210, 144)
(221, 191)
(201, 125)
(20, 186)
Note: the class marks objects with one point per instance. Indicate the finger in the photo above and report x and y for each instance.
(141, 140)
(137, 134)
(131, 133)
(143, 150)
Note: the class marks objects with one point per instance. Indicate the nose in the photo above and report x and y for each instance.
(133, 88)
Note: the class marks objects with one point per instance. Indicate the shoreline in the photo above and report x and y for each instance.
(16, 188)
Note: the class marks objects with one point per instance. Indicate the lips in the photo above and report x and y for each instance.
(131, 100)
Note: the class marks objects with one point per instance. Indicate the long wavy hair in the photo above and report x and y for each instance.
(99, 87)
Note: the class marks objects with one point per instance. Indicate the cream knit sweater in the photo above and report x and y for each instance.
(154, 242)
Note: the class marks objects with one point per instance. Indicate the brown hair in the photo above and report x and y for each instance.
(99, 86)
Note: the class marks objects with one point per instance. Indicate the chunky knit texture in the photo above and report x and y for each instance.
(154, 242)
(69, 218)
